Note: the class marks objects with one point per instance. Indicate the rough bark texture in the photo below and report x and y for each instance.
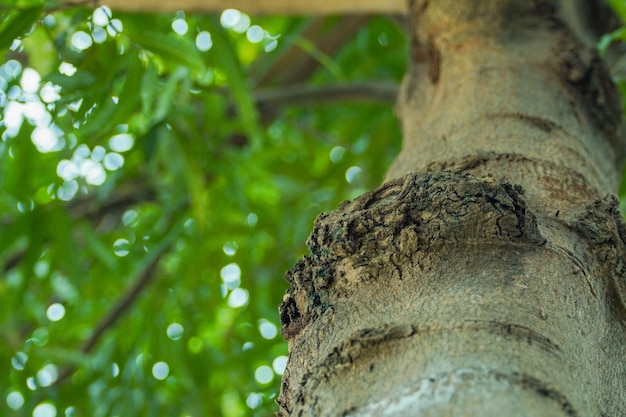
(486, 277)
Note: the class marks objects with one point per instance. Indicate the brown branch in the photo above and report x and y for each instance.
(295, 65)
(282, 7)
(383, 92)
(269, 101)
(125, 196)
(121, 305)
(115, 313)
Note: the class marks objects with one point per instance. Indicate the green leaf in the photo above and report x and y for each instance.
(149, 85)
(176, 50)
(109, 114)
(619, 7)
(310, 48)
(166, 98)
(98, 248)
(80, 80)
(226, 57)
(16, 23)
(608, 38)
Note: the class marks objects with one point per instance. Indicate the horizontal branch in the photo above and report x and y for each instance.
(123, 304)
(383, 92)
(275, 7)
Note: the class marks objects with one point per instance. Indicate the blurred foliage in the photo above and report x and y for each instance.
(150, 204)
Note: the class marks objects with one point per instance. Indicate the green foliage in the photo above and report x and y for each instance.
(149, 206)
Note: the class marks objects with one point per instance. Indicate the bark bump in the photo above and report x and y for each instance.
(403, 220)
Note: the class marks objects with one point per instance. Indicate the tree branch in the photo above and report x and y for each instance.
(282, 7)
(295, 65)
(114, 314)
(383, 92)
(121, 305)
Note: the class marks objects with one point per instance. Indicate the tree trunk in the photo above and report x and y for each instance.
(486, 276)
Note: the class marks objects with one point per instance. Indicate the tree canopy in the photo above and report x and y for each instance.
(159, 173)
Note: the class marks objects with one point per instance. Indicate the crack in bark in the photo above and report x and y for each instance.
(601, 224)
(366, 340)
(427, 392)
(583, 73)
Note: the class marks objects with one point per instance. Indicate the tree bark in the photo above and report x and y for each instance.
(486, 277)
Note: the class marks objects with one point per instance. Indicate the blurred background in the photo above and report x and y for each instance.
(159, 174)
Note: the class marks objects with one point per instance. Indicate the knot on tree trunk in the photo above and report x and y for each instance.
(406, 219)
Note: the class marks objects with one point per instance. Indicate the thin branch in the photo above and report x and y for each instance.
(383, 92)
(121, 305)
(281, 7)
(115, 313)
(295, 65)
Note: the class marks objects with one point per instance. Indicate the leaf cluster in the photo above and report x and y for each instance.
(152, 193)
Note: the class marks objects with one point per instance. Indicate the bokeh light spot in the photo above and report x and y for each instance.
(47, 375)
(98, 153)
(279, 364)
(99, 34)
(31, 384)
(113, 161)
(229, 18)
(121, 247)
(66, 68)
(352, 173)
(18, 361)
(40, 337)
(15, 400)
(175, 331)
(242, 24)
(81, 40)
(121, 142)
(93, 172)
(50, 92)
(67, 170)
(68, 190)
(55, 312)
(230, 248)
(252, 219)
(30, 80)
(45, 410)
(231, 275)
(115, 27)
(12, 68)
(254, 400)
(238, 298)
(337, 153)
(267, 329)
(204, 41)
(101, 15)
(160, 370)
(130, 218)
(264, 374)
(255, 34)
(46, 139)
(180, 26)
